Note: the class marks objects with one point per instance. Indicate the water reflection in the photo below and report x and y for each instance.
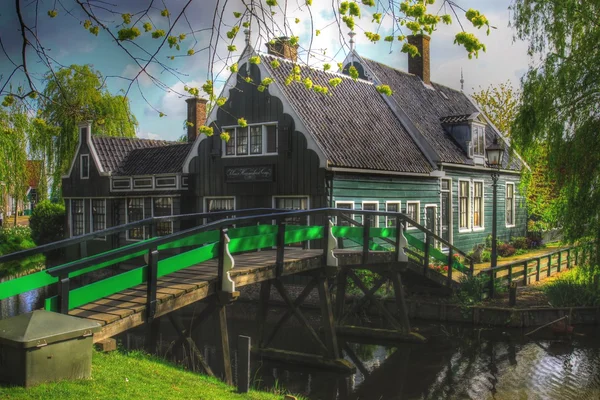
(23, 303)
(456, 363)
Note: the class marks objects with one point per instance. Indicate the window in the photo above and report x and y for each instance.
(142, 183)
(510, 204)
(256, 136)
(392, 206)
(217, 204)
(163, 207)
(98, 215)
(169, 181)
(121, 184)
(347, 205)
(77, 221)
(463, 204)
(253, 140)
(292, 203)
(478, 205)
(135, 212)
(230, 144)
(372, 206)
(241, 141)
(413, 212)
(478, 139)
(85, 166)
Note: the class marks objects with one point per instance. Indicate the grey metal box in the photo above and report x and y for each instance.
(43, 346)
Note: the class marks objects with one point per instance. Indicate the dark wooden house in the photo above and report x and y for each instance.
(320, 139)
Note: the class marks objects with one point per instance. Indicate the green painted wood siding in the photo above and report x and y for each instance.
(359, 189)
(466, 239)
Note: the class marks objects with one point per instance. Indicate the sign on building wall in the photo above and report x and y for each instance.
(261, 173)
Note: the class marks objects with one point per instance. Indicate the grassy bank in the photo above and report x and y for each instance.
(134, 375)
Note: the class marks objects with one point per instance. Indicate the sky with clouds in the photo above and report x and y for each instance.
(67, 42)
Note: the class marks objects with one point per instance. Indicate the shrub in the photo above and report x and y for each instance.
(16, 239)
(486, 256)
(47, 222)
(520, 252)
(506, 250)
(574, 288)
(471, 289)
(520, 243)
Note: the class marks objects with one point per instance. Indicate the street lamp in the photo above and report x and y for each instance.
(494, 153)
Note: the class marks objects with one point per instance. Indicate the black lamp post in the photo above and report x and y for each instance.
(494, 153)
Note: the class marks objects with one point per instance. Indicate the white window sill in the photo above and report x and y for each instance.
(465, 230)
(479, 229)
(510, 226)
(248, 155)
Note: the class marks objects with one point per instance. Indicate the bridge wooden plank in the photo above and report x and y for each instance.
(103, 318)
(128, 305)
(120, 312)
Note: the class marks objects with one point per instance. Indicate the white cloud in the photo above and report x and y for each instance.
(148, 135)
(173, 102)
(130, 71)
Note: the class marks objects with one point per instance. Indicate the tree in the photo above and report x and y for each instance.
(153, 36)
(73, 95)
(560, 103)
(14, 125)
(500, 104)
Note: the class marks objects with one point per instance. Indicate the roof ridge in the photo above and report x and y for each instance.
(336, 74)
(131, 138)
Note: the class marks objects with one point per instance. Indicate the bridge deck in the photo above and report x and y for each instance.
(126, 309)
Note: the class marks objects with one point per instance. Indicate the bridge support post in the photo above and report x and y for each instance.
(327, 318)
(223, 345)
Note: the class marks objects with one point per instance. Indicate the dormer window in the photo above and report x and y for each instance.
(477, 140)
(252, 140)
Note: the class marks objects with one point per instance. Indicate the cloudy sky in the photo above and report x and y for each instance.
(67, 42)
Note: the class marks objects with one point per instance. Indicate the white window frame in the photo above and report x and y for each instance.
(477, 127)
(482, 210)
(376, 209)
(205, 198)
(264, 140)
(469, 197)
(418, 219)
(71, 216)
(514, 203)
(307, 197)
(399, 203)
(127, 217)
(344, 202)
(87, 156)
(172, 206)
(103, 238)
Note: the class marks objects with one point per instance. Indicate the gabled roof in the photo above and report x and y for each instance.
(455, 119)
(352, 124)
(155, 160)
(112, 151)
(426, 107)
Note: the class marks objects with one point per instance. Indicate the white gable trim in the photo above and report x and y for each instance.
(94, 154)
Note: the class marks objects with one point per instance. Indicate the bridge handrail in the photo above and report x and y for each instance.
(123, 228)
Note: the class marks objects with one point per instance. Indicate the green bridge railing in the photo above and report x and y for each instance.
(216, 240)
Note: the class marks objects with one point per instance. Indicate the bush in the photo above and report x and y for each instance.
(520, 243)
(471, 289)
(506, 250)
(574, 288)
(47, 222)
(486, 256)
(15, 239)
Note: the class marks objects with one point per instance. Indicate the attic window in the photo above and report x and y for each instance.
(478, 140)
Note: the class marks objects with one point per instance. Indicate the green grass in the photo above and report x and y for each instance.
(134, 375)
(574, 288)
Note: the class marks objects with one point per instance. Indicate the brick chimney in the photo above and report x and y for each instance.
(281, 47)
(420, 65)
(196, 114)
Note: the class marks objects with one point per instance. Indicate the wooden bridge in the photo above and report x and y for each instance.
(210, 262)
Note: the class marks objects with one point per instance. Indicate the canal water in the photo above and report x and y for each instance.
(458, 362)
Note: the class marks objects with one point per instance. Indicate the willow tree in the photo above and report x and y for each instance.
(73, 95)
(500, 104)
(561, 103)
(14, 125)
